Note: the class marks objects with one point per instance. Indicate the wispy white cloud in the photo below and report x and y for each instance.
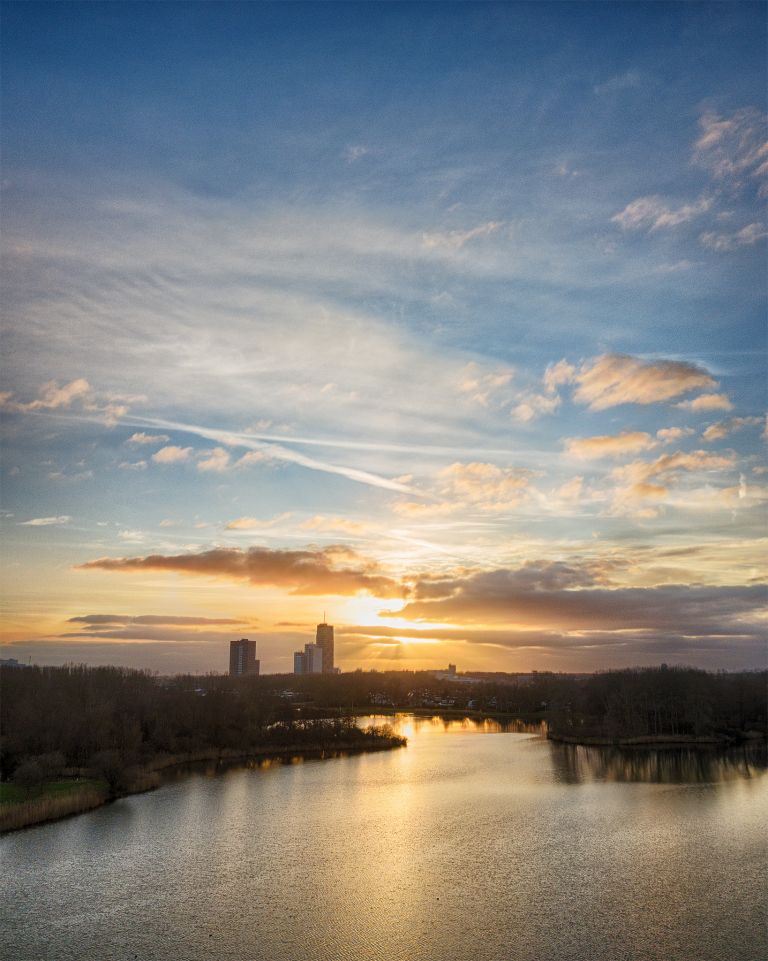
(733, 147)
(629, 80)
(46, 521)
(143, 438)
(652, 213)
(456, 239)
(355, 152)
(272, 451)
(723, 242)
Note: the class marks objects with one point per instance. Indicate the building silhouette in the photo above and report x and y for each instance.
(324, 640)
(242, 658)
(308, 661)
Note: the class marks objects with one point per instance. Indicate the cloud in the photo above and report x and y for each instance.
(342, 525)
(668, 464)
(707, 402)
(531, 405)
(611, 445)
(133, 465)
(332, 570)
(46, 521)
(725, 427)
(485, 386)
(629, 80)
(132, 537)
(355, 152)
(651, 213)
(110, 407)
(456, 239)
(53, 397)
(99, 620)
(253, 523)
(261, 452)
(565, 597)
(216, 460)
(472, 486)
(670, 435)
(614, 379)
(172, 455)
(733, 148)
(745, 237)
(142, 438)
(558, 374)
(643, 481)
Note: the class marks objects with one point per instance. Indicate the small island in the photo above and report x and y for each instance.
(661, 707)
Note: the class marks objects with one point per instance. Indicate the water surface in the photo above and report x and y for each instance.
(472, 844)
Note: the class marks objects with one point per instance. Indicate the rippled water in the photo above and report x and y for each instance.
(471, 844)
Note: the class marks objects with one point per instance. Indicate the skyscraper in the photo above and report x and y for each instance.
(242, 658)
(310, 661)
(324, 640)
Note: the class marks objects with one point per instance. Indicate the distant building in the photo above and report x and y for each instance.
(242, 658)
(10, 662)
(308, 661)
(324, 640)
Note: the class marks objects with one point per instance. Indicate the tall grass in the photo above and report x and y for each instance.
(48, 808)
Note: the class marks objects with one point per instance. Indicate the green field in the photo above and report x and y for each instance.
(15, 794)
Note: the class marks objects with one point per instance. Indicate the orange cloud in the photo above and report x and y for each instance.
(614, 379)
(333, 570)
(475, 485)
(725, 427)
(610, 445)
(707, 402)
(172, 455)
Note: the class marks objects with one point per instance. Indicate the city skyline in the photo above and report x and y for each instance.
(400, 312)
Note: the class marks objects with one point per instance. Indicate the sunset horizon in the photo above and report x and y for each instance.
(464, 349)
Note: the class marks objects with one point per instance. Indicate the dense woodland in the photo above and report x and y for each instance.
(104, 719)
(112, 721)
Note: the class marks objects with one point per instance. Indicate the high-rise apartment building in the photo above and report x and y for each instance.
(242, 658)
(308, 661)
(324, 640)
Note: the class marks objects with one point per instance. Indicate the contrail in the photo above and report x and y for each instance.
(258, 442)
(136, 421)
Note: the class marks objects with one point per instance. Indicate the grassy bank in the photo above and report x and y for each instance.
(25, 807)
(20, 806)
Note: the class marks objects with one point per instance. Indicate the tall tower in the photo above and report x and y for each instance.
(324, 640)
(242, 658)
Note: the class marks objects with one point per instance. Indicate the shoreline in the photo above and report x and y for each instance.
(43, 810)
(659, 741)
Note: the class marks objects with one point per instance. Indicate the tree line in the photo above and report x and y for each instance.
(103, 718)
(108, 719)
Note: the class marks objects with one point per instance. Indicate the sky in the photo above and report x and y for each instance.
(442, 322)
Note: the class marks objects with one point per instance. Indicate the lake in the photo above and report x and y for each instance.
(474, 843)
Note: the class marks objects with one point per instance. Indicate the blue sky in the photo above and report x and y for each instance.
(466, 297)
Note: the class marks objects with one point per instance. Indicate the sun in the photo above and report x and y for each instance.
(367, 611)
